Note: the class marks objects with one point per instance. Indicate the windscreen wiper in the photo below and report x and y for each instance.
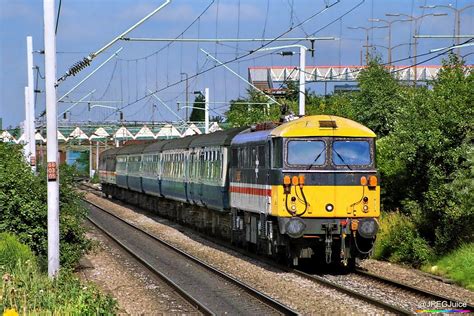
(316, 159)
(342, 159)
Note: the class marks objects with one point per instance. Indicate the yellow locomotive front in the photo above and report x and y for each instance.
(325, 189)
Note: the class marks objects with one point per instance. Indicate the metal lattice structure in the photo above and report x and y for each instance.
(268, 78)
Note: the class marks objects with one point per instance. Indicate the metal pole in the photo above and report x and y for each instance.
(187, 93)
(31, 103)
(206, 111)
(390, 44)
(52, 137)
(90, 159)
(90, 75)
(367, 46)
(302, 96)
(97, 157)
(415, 44)
(458, 31)
(26, 129)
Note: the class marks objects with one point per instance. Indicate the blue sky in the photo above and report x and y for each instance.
(86, 25)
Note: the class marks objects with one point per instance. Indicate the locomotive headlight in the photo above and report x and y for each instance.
(295, 227)
(329, 207)
(368, 228)
(366, 208)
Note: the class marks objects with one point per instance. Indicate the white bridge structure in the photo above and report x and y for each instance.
(269, 78)
(86, 132)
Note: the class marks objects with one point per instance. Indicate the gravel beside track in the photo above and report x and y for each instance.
(418, 279)
(303, 295)
(210, 289)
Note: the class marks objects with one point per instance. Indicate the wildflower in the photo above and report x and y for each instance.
(6, 277)
(10, 312)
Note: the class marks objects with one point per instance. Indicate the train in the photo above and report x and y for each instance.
(302, 190)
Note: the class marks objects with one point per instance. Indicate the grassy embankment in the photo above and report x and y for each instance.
(25, 289)
(398, 241)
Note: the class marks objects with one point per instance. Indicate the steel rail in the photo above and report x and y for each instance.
(265, 299)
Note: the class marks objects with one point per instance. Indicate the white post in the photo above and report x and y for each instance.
(31, 104)
(97, 157)
(26, 132)
(302, 96)
(52, 137)
(90, 159)
(206, 111)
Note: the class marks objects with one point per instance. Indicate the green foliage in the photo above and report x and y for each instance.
(241, 114)
(378, 103)
(398, 241)
(24, 288)
(426, 162)
(198, 115)
(23, 206)
(12, 251)
(457, 265)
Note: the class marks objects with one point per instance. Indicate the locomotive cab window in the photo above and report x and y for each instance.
(351, 152)
(306, 152)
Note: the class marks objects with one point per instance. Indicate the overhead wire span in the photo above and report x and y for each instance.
(327, 7)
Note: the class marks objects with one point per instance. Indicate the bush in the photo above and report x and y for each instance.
(23, 207)
(12, 251)
(24, 288)
(398, 241)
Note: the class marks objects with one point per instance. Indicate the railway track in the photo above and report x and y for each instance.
(209, 290)
(415, 298)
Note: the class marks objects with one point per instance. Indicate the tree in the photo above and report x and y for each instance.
(379, 100)
(198, 115)
(23, 206)
(243, 111)
(427, 158)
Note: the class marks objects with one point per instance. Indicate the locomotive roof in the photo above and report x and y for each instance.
(322, 125)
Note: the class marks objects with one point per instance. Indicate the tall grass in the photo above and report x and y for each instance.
(25, 289)
(457, 265)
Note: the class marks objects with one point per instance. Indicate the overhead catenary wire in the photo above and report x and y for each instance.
(327, 7)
